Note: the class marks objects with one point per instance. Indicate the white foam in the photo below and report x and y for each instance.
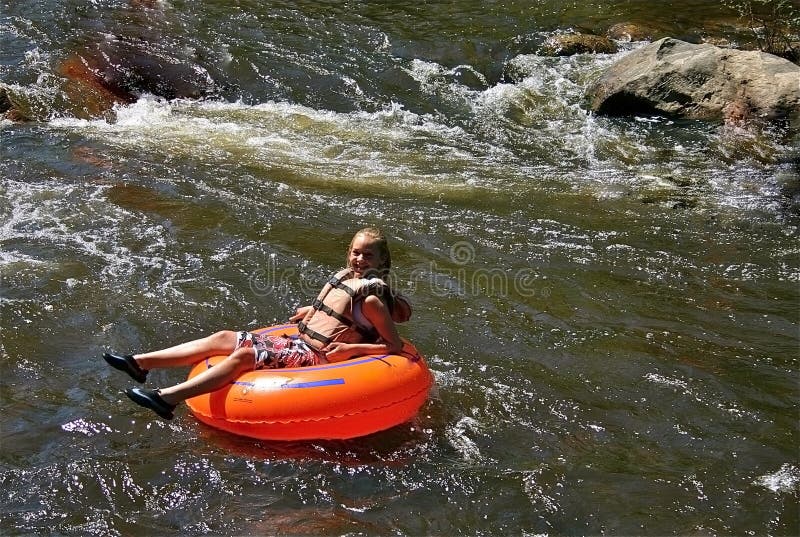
(530, 127)
(86, 427)
(786, 479)
(457, 435)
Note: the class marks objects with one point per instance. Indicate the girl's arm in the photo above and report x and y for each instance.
(402, 309)
(378, 314)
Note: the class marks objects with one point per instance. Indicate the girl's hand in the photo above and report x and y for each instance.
(299, 314)
(337, 352)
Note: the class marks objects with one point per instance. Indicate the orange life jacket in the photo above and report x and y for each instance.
(331, 315)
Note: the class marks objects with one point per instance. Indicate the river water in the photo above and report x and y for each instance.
(609, 305)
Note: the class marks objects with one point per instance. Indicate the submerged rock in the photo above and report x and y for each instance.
(121, 70)
(96, 78)
(570, 44)
(675, 78)
(5, 101)
(630, 31)
(11, 108)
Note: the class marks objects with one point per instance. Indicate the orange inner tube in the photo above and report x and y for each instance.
(331, 401)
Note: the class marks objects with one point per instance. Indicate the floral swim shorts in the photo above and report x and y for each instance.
(275, 352)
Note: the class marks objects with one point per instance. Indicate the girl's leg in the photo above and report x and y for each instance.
(219, 376)
(189, 353)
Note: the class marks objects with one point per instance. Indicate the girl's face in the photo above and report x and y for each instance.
(364, 256)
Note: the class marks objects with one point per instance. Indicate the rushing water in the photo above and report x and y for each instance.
(609, 306)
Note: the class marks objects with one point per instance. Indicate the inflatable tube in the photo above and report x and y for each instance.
(331, 401)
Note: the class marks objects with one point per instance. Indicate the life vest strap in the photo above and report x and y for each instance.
(360, 292)
(368, 333)
(303, 329)
(320, 306)
(339, 285)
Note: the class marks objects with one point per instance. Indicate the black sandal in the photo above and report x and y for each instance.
(152, 400)
(127, 364)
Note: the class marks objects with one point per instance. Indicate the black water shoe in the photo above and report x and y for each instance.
(152, 400)
(128, 364)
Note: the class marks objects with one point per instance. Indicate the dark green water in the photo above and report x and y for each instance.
(609, 306)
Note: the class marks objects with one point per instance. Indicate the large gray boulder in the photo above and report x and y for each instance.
(679, 79)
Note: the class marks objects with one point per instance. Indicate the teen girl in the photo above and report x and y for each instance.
(354, 315)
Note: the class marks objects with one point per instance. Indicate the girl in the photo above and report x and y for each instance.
(354, 315)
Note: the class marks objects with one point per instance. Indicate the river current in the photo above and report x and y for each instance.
(609, 306)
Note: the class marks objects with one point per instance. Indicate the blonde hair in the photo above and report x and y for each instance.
(379, 240)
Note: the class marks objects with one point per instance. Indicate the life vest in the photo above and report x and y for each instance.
(331, 315)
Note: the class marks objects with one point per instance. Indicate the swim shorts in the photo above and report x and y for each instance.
(275, 352)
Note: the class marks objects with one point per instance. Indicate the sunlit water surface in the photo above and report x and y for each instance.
(609, 306)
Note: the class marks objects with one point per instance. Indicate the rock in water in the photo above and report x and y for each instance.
(570, 44)
(679, 79)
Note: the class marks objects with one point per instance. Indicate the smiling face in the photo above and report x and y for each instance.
(365, 256)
